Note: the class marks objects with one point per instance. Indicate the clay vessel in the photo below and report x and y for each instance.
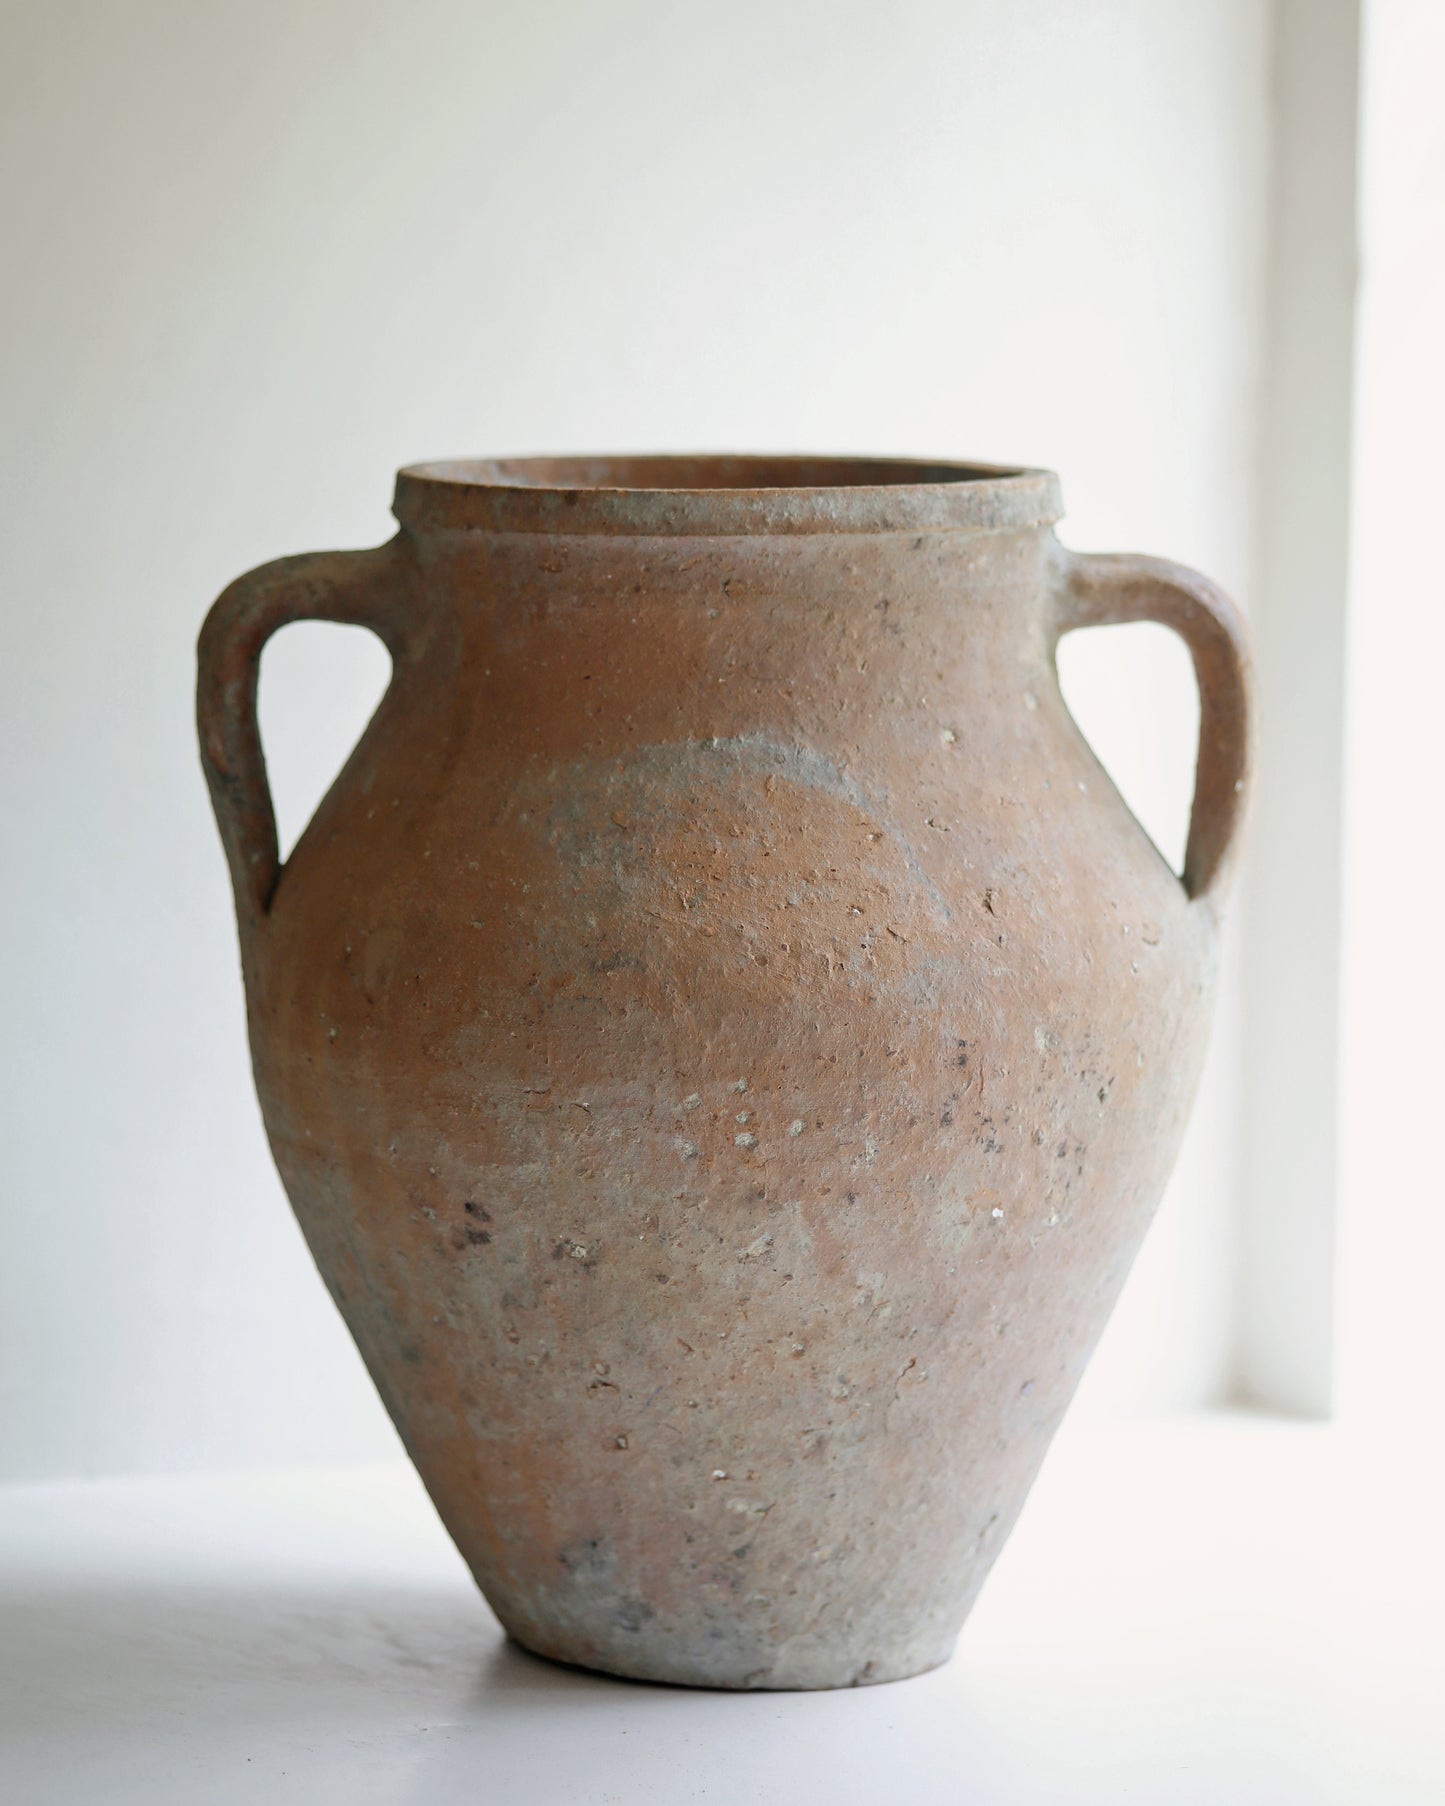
(723, 1034)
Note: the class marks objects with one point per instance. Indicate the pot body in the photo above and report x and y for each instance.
(724, 1038)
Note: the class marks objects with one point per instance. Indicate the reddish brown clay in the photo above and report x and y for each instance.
(723, 1034)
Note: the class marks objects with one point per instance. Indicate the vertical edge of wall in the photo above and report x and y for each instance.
(1291, 909)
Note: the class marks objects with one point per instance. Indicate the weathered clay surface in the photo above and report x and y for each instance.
(723, 1034)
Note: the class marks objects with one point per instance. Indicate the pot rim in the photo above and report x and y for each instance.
(709, 494)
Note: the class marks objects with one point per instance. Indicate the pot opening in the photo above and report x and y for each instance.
(716, 493)
(712, 471)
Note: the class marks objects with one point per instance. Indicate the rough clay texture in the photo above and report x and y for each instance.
(723, 1035)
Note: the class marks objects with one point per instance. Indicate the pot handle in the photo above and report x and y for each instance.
(361, 589)
(1108, 589)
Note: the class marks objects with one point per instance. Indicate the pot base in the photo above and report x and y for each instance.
(822, 1675)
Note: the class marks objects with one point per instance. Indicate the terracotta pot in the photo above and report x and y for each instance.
(723, 1034)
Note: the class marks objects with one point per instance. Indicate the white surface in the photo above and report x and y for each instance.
(260, 252)
(1392, 1348)
(1224, 1611)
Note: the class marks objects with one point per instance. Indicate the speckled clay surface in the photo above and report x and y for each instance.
(723, 1035)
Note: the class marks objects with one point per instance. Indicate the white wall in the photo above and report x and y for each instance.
(259, 254)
